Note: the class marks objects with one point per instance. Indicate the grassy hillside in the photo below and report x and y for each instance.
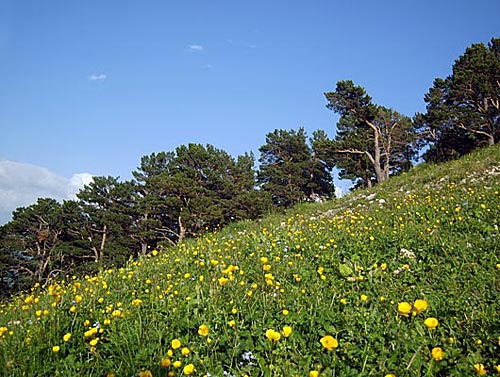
(401, 280)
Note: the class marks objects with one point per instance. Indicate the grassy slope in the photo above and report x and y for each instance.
(339, 268)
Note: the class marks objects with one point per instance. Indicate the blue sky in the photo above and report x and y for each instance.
(88, 87)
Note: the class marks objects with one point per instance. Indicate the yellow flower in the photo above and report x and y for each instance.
(67, 337)
(136, 302)
(90, 333)
(177, 364)
(431, 323)
(390, 375)
(343, 301)
(497, 368)
(404, 308)
(419, 306)
(437, 353)
(93, 342)
(285, 312)
(3, 330)
(117, 313)
(203, 330)
(287, 331)
(145, 373)
(165, 363)
(364, 297)
(272, 335)
(176, 343)
(223, 281)
(313, 373)
(232, 323)
(185, 351)
(480, 369)
(188, 369)
(329, 342)
(56, 349)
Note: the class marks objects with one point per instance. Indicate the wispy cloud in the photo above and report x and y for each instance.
(22, 184)
(98, 77)
(195, 48)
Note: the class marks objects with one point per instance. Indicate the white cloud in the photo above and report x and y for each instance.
(21, 184)
(196, 48)
(98, 77)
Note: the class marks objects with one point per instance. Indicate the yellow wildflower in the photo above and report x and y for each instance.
(203, 330)
(93, 342)
(136, 302)
(419, 306)
(313, 373)
(222, 281)
(437, 353)
(185, 351)
(145, 373)
(480, 369)
(177, 364)
(404, 308)
(165, 363)
(176, 343)
(188, 369)
(56, 349)
(431, 323)
(67, 337)
(273, 336)
(90, 333)
(329, 342)
(287, 331)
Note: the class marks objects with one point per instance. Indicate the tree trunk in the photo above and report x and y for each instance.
(103, 241)
(182, 231)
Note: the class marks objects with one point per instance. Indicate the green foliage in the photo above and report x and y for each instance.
(463, 110)
(372, 142)
(292, 171)
(194, 189)
(338, 269)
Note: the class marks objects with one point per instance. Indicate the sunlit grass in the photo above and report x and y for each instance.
(401, 280)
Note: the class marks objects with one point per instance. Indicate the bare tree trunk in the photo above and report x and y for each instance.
(103, 241)
(182, 231)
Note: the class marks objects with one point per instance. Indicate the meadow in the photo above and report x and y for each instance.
(400, 280)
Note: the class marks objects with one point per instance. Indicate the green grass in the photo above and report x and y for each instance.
(339, 268)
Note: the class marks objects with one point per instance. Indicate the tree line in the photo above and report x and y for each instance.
(198, 188)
